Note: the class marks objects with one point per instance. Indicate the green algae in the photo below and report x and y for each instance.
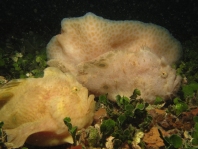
(23, 57)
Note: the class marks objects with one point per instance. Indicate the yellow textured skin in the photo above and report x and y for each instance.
(36, 107)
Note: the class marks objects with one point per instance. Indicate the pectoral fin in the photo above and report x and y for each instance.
(18, 136)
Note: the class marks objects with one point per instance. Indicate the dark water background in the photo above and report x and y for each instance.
(43, 17)
(180, 17)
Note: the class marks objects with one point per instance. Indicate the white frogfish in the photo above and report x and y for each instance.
(111, 73)
(116, 57)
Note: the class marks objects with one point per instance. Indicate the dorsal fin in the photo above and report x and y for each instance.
(6, 92)
(11, 84)
(6, 96)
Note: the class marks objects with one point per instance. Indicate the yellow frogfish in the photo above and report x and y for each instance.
(33, 109)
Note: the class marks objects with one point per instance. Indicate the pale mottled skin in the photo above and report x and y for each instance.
(38, 106)
(115, 57)
(122, 72)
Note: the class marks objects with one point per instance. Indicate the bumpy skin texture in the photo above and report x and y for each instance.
(36, 107)
(113, 74)
(87, 41)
